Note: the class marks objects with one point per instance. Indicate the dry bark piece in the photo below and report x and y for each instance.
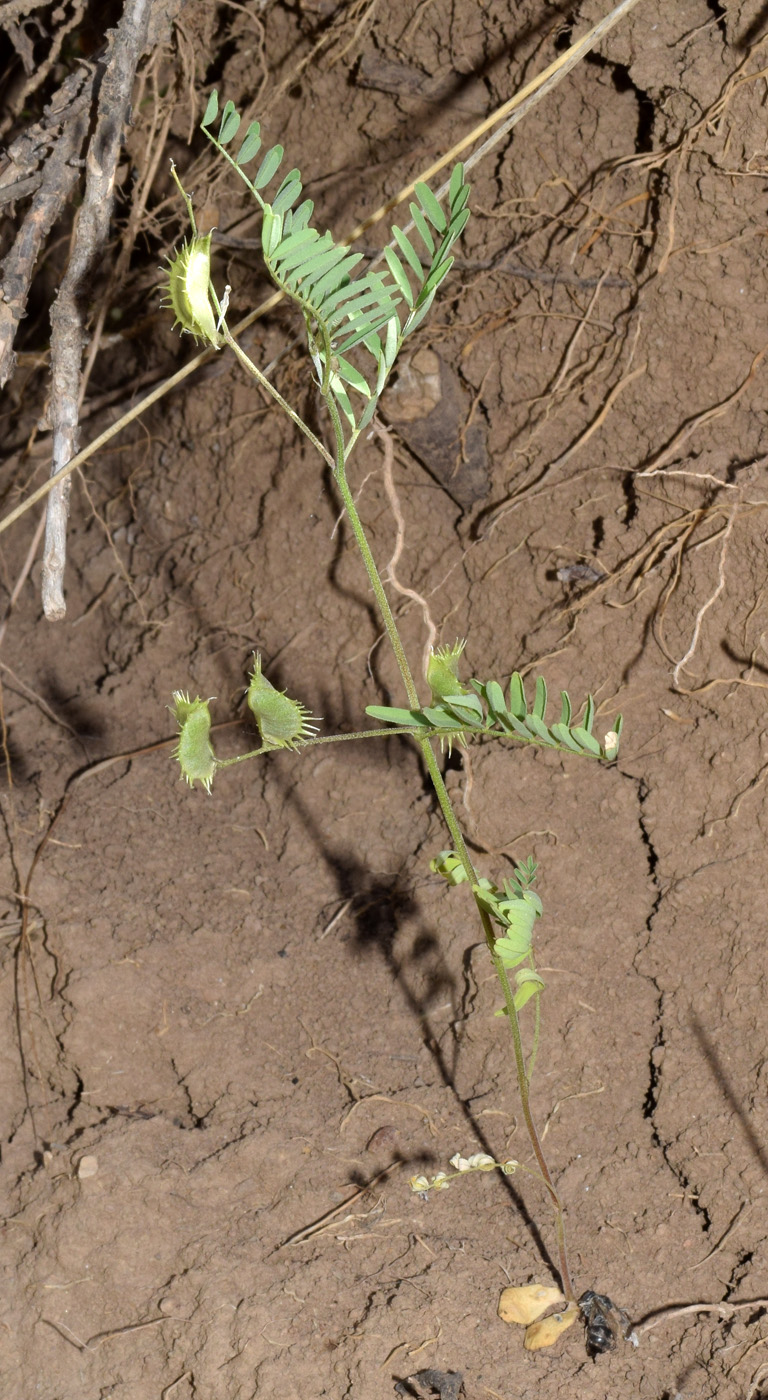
(526, 1303)
(64, 131)
(91, 230)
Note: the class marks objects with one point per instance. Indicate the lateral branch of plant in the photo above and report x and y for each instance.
(370, 317)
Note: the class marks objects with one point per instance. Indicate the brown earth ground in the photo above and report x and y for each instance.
(246, 1007)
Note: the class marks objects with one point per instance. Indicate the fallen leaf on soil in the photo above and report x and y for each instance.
(546, 1332)
(526, 1303)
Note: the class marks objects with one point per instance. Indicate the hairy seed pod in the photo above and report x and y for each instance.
(194, 750)
(283, 723)
(187, 289)
(442, 672)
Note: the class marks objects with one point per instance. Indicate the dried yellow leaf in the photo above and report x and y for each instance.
(546, 1332)
(524, 1304)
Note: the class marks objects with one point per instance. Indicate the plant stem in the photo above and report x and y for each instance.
(276, 395)
(457, 836)
(425, 745)
(340, 476)
(524, 1086)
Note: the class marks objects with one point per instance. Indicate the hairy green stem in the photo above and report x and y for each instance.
(524, 1087)
(340, 477)
(457, 836)
(276, 395)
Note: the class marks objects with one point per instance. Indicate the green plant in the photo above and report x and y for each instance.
(371, 316)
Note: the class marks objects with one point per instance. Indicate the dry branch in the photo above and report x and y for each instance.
(65, 124)
(67, 315)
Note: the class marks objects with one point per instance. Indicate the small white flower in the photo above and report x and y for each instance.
(459, 1163)
(419, 1183)
(480, 1161)
(441, 1182)
(611, 743)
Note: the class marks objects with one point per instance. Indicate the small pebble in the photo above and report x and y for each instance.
(384, 1139)
(87, 1166)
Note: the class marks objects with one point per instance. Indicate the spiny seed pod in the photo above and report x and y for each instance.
(283, 723)
(187, 289)
(194, 750)
(442, 672)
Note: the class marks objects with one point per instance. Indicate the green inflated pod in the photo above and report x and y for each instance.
(442, 672)
(283, 723)
(187, 291)
(194, 751)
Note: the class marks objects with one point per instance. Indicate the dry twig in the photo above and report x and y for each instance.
(67, 318)
(64, 124)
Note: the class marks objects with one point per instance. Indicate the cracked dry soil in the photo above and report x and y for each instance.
(247, 1007)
